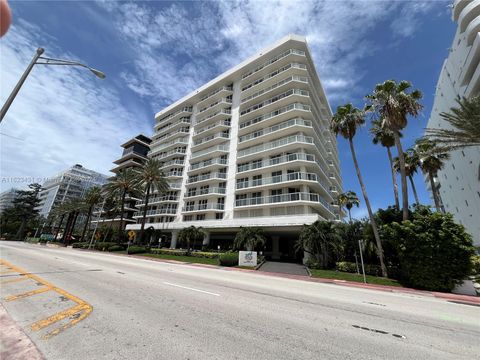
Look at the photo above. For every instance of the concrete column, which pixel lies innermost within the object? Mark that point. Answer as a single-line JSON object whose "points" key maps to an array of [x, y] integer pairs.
{"points": [[173, 243], [206, 239], [306, 257], [275, 248]]}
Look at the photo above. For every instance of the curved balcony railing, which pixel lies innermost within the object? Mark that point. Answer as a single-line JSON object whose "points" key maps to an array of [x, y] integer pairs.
{"points": [[211, 137], [217, 113], [216, 91], [274, 99], [278, 160], [274, 73], [225, 101], [278, 179], [178, 151], [215, 175], [210, 150], [209, 162], [155, 149], [173, 163], [275, 144], [266, 90], [273, 61], [258, 119], [203, 207], [185, 109], [182, 121], [273, 199], [274, 128], [211, 126], [210, 190]]}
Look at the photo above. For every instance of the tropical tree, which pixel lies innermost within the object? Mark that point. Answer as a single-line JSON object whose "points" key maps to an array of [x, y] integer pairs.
{"points": [[393, 104], [151, 178], [73, 208], [92, 198], [190, 235], [345, 122], [24, 206], [431, 161], [249, 238], [465, 123], [124, 183], [386, 138], [348, 199], [321, 240], [412, 163]]}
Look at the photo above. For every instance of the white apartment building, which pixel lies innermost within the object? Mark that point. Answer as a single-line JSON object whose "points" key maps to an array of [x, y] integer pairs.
{"points": [[252, 147], [459, 181], [6, 199], [69, 184]]}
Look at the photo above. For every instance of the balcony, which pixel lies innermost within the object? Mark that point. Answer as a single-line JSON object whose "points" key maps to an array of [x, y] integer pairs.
{"points": [[211, 151], [269, 79], [219, 103], [221, 91], [205, 192], [219, 125], [176, 162], [209, 140], [218, 162], [158, 199], [275, 180], [204, 207], [279, 114], [156, 149], [171, 153], [294, 139], [211, 176], [171, 174], [176, 185], [186, 110], [166, 128], [139, 214], [262, 94], [280, 100], [222, 114], [273, 61], [170, 135]]}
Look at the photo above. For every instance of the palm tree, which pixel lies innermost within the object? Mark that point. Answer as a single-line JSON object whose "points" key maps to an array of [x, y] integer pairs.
{"points": [[92, 198], [394, 104], [249, 238], [190, 235], [73, 208], [345, 122], [465, 121], [431, 161], [412, 163], [320, 239], [386, 138], [151, 178], [348, 199], [124, 183]]}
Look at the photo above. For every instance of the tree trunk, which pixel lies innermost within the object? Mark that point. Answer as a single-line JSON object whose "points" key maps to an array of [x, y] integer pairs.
{"points": [[434, 192], [109, 229], [21, 230], [349, 215], [67, 226], [72, 227], [394, 179], [87, 221], [403, 175], [144, 217], [370, 213], [410, 177], [122, 210], [59, 226]]}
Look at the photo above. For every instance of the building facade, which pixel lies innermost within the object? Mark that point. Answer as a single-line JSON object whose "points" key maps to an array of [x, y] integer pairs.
{"points": [[250, 148], [68, 185], [133, 156], [6, 199], [459, 181]]}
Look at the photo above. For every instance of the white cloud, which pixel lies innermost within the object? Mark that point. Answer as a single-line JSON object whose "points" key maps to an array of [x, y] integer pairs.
{"points": [[63, 115]]}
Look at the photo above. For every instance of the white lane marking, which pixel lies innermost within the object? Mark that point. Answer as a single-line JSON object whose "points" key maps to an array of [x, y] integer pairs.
{"points": [[189, 288]]}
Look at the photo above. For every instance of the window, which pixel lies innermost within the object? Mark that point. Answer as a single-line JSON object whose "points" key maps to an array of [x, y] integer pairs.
{"points": [[202, 205], [276, 176], [190, 205], [219, 216], [204, 189], [201, 217], [221, 200], [275, 159], [242, 183], [276, 195], [256, 164], [257, 180], [256, 198], [187, 217], [191, 192]]}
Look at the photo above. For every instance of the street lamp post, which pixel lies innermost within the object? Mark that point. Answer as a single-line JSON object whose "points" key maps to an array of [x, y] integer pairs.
{"points": [[38, 59]]}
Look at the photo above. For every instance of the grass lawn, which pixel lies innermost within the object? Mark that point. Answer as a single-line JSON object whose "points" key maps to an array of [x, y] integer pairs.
{"points": [[332, 274], [189, 259]]}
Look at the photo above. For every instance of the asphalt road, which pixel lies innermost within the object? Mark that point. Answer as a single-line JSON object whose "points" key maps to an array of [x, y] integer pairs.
{"points": [[152, 310]]}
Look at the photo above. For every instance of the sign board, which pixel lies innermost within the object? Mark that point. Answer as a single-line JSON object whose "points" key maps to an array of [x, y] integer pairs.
{"points": [[247, 258], [131, 235]]}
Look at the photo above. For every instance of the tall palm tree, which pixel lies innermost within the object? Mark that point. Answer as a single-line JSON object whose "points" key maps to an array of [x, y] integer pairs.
{"points": [[348, 199], [124, 183], [412, 163], [92, 198], [431, 161], [249, 238], [73, 208], [151, 178], [394, 104], [190, 235], [345, 122], [465, 121], [386, 138]]}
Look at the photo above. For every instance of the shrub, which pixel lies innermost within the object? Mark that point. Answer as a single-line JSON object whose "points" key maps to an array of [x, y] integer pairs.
{"points": [[80, 245], [204, 254], [434, 252], [346, 266], [116, 248], [32, 240], [476, 264], [229, 259], [351, 267], [137, 250], [169, 252], [103, 246]]}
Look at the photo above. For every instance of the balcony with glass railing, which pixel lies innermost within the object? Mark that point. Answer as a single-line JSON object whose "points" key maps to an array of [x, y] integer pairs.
{"points": [[219, 125], [277, 115], [275, 144], [269, 79], [159, 130], [175, 162], [204, 207], [175, 185], [260, 134], [168, 154], [215, 162], [222, 114], [279, 100], [222, 102], [158, 199], [167, 136], [273, 61], [164, 146], [139, 214], [261, 94], [211, 176], [205, 192], [174, 174], [295, 176], [210, 140], [221, 91], [254, 165], [186, 110], [210, 151]]}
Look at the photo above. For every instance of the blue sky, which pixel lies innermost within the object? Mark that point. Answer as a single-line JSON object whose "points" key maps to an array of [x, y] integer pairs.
{"points": [[155, 52]]}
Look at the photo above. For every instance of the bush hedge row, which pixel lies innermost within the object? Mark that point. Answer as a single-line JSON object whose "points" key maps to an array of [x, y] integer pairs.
{"points": [[351, 267], [228, 259], [197, 254]]}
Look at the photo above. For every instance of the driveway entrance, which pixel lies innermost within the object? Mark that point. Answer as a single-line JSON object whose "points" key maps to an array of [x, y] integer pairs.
{"points": [[284, 268]]}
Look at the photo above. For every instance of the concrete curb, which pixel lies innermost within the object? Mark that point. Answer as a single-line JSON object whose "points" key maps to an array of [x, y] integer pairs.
{"points": [[15, 344]]}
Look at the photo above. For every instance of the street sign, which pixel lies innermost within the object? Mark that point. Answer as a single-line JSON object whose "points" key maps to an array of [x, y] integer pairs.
{"points": [[247, 258], [131, 235]]}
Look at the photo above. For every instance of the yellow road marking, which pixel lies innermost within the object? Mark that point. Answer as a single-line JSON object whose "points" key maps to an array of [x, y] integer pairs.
{"points": [[82, 308], [27, 294], [14, 280]]}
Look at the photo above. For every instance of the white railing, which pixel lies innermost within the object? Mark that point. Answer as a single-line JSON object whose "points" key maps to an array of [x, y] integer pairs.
{"points": [[272, 199], [197, 178], [294, 106], [209, 162], [213, 190], [185, 109], [211, 126], [172, 152], [160, 130], [220, 112], [275, 144], [210, 150], [275, 99], [277, 179], [272, 129], [156, 212], [164, 137], [202, 207], [275, 161], [275, 73], [157, 199], [216, 91], [211, 137], [157, 148], [273, 60], [266, 90], [219, 101], [173, 163]]}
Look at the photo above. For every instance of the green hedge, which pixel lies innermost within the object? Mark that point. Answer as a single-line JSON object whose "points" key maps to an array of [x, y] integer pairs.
{"points": [[228, 259], [32, 240], [80, 245], [116, 248], [103, 246], [137, 250], [350, 267], [197, 254], [476, 264]]}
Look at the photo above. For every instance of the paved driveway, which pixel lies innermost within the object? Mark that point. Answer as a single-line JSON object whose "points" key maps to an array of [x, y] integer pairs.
{"points": [[284, 268]]}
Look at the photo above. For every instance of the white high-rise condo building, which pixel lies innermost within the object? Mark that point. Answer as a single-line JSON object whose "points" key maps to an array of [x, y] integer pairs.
{"points": [[459, 181], [252, 147]]}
